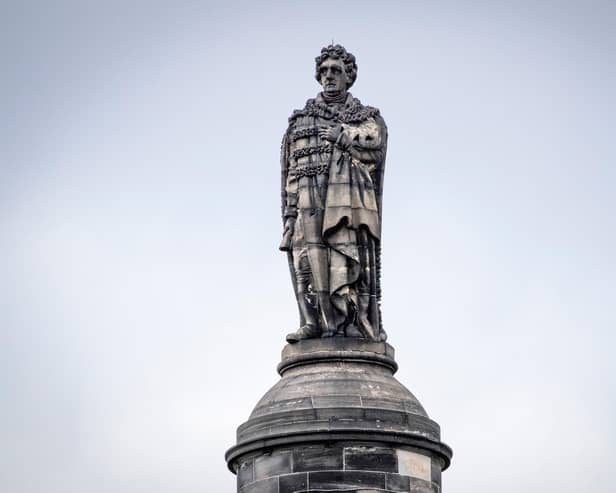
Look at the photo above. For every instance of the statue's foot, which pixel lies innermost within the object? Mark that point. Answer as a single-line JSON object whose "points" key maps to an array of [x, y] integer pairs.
{"points": [[304, 332], [365, 328], [329, 333], [382, 336], [353, 331]]}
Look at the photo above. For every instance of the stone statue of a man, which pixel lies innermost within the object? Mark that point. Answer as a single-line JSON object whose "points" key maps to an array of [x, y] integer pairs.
{"points": [[333, 158]]}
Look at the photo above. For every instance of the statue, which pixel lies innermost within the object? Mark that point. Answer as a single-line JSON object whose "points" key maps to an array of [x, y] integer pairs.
{"points": [[333, 159], [337, 420]]}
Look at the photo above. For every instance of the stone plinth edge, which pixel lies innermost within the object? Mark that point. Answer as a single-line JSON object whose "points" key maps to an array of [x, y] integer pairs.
{"points": [[336, 349], [438, 448]]}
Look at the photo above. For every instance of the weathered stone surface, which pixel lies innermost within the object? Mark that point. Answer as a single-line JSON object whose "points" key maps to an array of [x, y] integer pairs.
{"points": [[291, 483], [370, 459], [342, 420], [397, 482], [436, 472], [414, 465], [245, 472], [345, 479], [337, 349], [273, 465], [269, 485], [421, 486], [349, 490], [321, 401], [317, 458]]}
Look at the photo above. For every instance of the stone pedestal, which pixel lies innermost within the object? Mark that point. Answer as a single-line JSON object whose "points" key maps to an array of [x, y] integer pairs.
{"points": [[338, 421]]}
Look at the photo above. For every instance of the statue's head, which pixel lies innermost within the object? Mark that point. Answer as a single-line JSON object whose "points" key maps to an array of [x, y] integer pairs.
{"points": [[336, 69]]}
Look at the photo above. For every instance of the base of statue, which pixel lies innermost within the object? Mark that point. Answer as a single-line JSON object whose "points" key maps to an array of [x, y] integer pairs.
{"points": [[336, 421]]}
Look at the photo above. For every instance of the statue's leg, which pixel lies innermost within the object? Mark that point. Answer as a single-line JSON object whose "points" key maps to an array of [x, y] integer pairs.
{"points": [[365, 288], [303, 282], [310, 326], [318, 256]]}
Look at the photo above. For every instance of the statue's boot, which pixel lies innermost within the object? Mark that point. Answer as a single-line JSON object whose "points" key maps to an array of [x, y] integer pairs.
{"points": [[310, 329], [328, 316], [352, 331], [304, 332], [363, 322]]}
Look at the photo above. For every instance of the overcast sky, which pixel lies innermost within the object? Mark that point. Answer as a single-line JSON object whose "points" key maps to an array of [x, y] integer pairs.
{"points": [[143, 300]]}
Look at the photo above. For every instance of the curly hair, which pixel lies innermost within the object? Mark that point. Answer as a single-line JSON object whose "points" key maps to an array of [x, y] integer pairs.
{"points": [[338, 52]]}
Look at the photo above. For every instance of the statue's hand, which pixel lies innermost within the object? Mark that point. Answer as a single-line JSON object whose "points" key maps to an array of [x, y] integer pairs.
{"points": [[330, 133], [287, 235]]}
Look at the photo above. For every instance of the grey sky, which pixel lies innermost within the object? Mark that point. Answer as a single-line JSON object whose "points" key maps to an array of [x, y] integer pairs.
{"points": [[144, 303]]}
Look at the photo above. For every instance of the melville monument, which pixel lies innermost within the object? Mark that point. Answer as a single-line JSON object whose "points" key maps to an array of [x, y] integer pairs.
{"points": [[337, 420]]}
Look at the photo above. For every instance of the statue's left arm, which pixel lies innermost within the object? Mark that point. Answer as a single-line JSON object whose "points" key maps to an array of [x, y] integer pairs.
{"points": [[365, 142]]}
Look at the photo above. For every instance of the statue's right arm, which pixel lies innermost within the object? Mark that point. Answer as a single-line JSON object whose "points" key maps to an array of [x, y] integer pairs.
{"points": [[290, 199]]}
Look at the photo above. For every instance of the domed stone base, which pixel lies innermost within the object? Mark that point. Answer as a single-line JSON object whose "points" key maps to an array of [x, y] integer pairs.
{"points": [[337, 421]]}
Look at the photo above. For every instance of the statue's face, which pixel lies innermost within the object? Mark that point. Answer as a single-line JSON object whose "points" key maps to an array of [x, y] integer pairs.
{"points": [[332, 76]]}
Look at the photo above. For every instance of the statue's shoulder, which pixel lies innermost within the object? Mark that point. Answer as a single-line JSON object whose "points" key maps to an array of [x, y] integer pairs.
{"points": [[353, 112], [308, 109], [356, 112]]}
